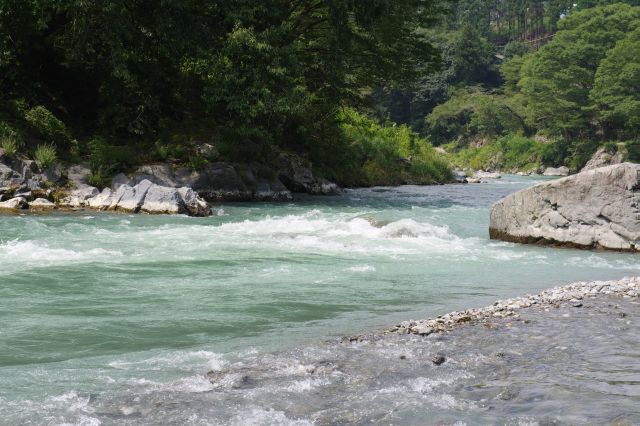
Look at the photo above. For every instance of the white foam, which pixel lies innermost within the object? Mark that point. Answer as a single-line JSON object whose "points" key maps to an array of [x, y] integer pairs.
{"points": [[362, 268], [32, 254], [259, 416]]}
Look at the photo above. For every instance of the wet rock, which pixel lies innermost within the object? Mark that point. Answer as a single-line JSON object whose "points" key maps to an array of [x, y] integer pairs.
{"points": [[438, 360], [459, 176], [593, 209]]}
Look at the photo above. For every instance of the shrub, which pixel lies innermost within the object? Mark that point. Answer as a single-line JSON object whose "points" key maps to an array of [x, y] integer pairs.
{"points": [[9, 145], [383, 154], [48, 127], [45, 155], [105, 160]]}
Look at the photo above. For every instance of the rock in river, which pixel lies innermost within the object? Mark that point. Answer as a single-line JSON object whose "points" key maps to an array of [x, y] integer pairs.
{"points": [[598, 208]]}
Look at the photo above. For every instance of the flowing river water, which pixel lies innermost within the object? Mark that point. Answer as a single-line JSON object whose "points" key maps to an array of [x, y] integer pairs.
{"points": [[116, 319]]}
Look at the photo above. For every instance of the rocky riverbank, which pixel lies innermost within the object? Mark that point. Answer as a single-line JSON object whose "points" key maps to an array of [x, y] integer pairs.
{"points": [[572, 295], [159, 188], [567, 355]]}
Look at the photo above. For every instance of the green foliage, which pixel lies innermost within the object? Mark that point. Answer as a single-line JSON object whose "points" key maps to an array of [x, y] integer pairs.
{"points": [[384, 154], [616, 91], [47, 127], [471, 114], [506, 153], [45, 156], [105, 160], [9, 145], [633, 151], [557, 79]]}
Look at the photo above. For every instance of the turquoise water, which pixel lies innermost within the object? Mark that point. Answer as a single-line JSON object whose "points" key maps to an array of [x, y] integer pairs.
{"points": [[98, 307]]}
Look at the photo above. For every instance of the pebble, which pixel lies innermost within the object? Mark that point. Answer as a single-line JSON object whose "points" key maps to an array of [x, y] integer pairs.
{"points": [[572, 294]]}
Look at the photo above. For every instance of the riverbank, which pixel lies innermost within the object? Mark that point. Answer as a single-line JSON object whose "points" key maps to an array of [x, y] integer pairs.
{"points": [[572, 294], [568, 355]]}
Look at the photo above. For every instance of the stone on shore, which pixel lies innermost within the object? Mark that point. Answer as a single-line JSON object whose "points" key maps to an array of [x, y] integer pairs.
{"points": [[560, 171], [568, 295], [42, 204], [481, 174], [16, 203], [598, 208]]}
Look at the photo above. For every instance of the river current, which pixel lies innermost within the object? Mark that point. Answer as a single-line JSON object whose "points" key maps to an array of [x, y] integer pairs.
{"points": [[116, 319]]}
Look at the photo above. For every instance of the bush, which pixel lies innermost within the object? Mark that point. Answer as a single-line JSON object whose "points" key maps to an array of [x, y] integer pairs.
{"points": [[9, 145], [507, 153], [45, 155], [48, 127], [382, 154], [105, 160]]}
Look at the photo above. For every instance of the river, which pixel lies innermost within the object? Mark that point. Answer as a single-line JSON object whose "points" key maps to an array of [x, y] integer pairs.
{"points": [[116, 319]]}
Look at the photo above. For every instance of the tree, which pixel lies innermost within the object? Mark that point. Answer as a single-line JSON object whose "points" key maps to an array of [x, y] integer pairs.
{"points": [[616, 91], [557, 79]]}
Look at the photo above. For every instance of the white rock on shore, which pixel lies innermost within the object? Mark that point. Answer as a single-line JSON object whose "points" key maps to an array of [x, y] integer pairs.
{"points": [[560, 171], [508, 308], [598, 208]]}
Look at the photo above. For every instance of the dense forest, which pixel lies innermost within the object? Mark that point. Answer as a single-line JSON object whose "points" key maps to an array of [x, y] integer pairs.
{"points": [[364, 88]]}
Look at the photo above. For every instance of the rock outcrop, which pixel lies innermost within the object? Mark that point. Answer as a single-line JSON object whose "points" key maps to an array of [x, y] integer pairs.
{"points": [[17, 203], [603, 158], [150, 198], [598, 208], [295, 173], [560, 171], [214, 182]]}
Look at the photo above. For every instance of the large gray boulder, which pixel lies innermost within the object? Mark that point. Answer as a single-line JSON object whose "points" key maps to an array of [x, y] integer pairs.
{"points": [[17, 203], [150, 198], [560, 171], [166, 200], [215, 182], [296, 174], [603, 158], [598, 208]]}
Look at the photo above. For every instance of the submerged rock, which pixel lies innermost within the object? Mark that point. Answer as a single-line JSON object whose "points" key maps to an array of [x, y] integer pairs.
{"points": [[598, 208], [438, 360]]}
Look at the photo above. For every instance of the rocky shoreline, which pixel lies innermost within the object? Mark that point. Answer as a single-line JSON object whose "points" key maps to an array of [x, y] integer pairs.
{"points": [[571, 294]]}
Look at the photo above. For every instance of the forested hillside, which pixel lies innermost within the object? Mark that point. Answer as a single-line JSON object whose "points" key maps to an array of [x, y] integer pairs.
{"points": [[529, 83], [362, 89]]}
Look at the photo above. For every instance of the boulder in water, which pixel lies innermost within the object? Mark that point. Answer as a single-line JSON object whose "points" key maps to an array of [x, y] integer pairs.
{"points": [[598, 208]]}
